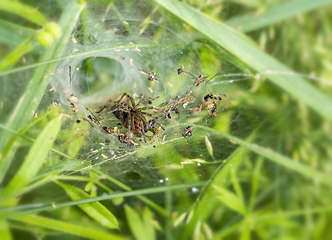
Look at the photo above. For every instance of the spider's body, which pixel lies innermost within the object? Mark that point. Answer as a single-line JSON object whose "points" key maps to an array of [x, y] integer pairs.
{"points": [[133, 118]]}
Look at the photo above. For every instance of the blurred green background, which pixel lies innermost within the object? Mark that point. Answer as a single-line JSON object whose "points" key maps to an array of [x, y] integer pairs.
{"points": [[260, 169]]}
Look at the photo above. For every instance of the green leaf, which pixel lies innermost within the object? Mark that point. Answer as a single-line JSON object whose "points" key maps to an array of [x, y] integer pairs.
{"points": [[274, 14], [241, 47], [282, 160], [95, 210], [24, 11], [4, 230], [65, 227], [34, 160], [141, 229], [15, 55], [13, 34], [230, 200], [34, 91], [208, 202]]}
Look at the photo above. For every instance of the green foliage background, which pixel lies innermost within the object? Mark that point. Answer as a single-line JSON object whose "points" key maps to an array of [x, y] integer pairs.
{"points": [[261, 169]]}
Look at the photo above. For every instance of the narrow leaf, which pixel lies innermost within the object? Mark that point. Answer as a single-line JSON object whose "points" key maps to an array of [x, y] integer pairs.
{"points": [[4, 230], [24, 11], [11, 33], [95, 210], [34, 160], [12, 58], [65, 227], [135, 223], [230, 200], [274, 14]]}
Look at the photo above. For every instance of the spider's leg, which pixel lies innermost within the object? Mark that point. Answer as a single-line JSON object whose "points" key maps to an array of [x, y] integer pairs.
{"points": [[114, 110], [144, 100], [133, 122], [143, 131], [229, 102], [130, 97], [128, 138], [124, 94], [150, 115], [142, 117], [100, 110]]}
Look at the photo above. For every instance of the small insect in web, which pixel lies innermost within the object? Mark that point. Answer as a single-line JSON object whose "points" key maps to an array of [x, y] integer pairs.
{"points": [[152, 75], [187, 132], [133, 118], [198, 80], [209, 105], [171, 105], [212, 106]]}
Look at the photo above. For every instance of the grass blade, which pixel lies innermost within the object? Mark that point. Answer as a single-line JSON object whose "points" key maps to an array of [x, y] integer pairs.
{"points": [[11, 33], [34, 160], [24, 11], [274, 14], [276, 157], [240, 46], [4, 230], [95, 210], [230, 200], [29, 101], [65, 227], [136, 224], [34, 209], [15, 55], [8, 152]]}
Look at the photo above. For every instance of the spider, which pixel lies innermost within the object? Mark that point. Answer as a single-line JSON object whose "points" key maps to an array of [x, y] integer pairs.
{"points": [[152, 75], [133, 117]]}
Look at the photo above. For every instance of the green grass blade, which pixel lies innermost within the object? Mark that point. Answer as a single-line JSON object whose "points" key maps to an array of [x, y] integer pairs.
{"points": [[206, 201], [29, 101], [24, 11], [125, 187], [65, 227], [95, 210], [11, 33], [239, 46], [12, 58], [274, 14], [4, 230], [34, 160], [6, 156], [32, 208], [276, 157], [284, 161], [135, 223], [88, 53], [230, 200]]}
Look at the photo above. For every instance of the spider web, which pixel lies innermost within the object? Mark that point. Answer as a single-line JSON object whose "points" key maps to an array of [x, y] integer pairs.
{"points": [[107, 65]]}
